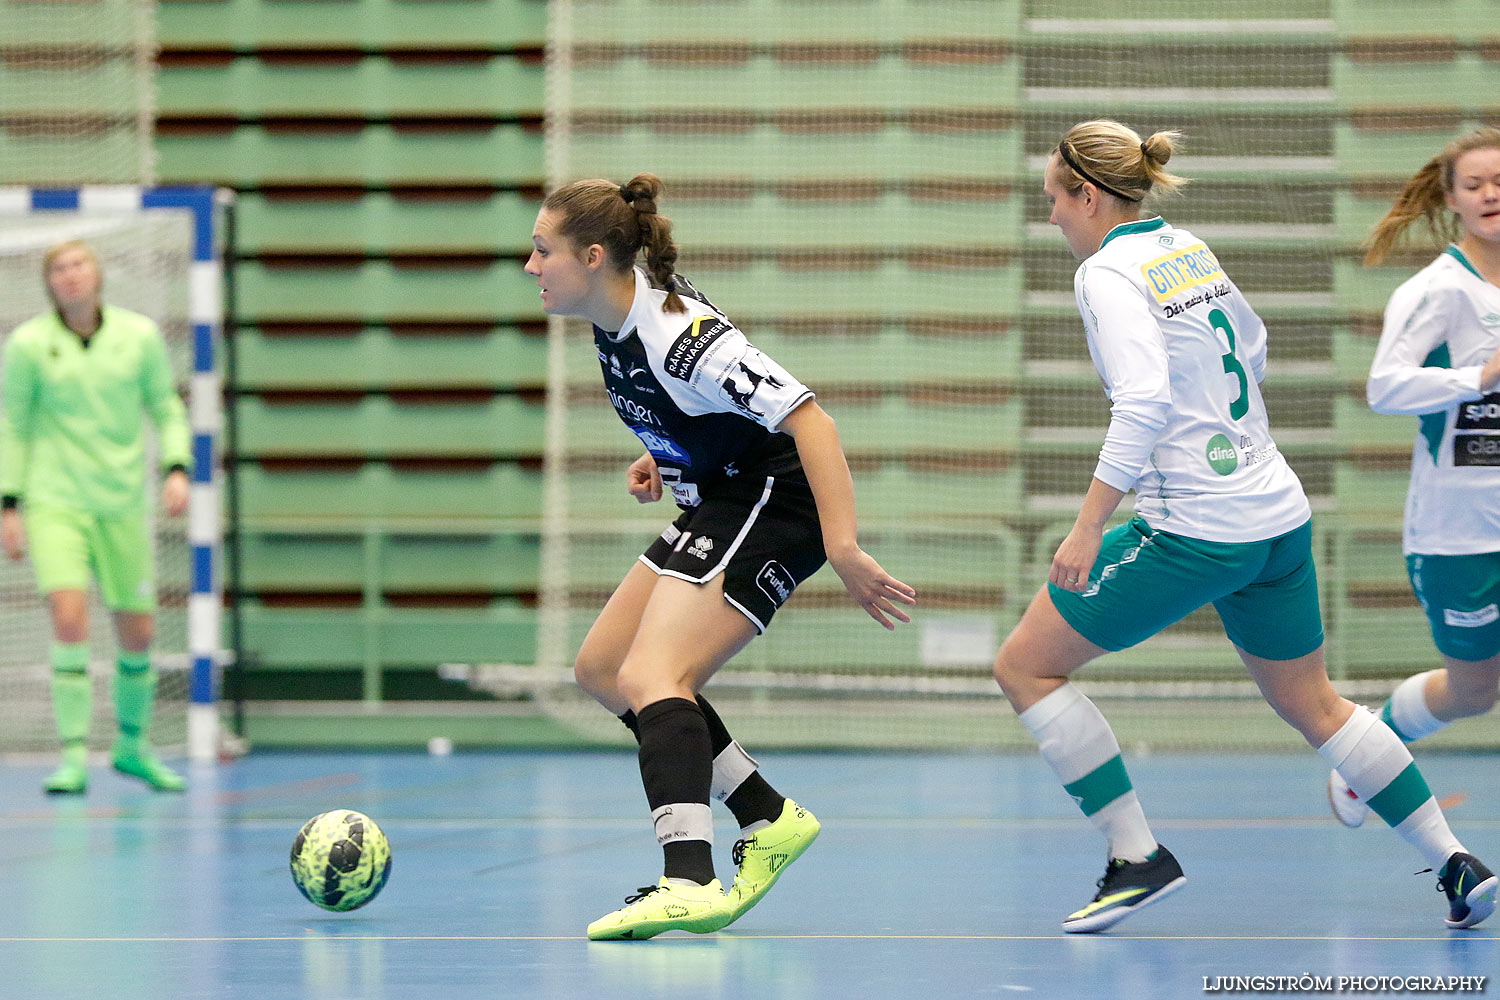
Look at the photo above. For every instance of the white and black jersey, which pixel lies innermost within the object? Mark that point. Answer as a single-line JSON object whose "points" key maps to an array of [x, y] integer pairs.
{"points": [[704, 402]]}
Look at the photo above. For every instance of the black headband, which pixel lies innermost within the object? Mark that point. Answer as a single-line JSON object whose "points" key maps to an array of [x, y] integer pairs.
{"points": [[1062, 149]]}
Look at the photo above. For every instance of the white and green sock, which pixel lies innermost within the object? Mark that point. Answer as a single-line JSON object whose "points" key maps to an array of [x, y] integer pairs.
{"points": [[1377, 765], [1077, 743], [1407, 713]]}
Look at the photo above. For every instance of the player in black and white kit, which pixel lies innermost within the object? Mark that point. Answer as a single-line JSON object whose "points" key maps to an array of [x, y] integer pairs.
{"points": [[756, 467]]}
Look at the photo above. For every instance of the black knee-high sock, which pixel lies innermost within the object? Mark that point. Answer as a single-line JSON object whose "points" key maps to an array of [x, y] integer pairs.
{"points": [[754, 799], [677, 770]]}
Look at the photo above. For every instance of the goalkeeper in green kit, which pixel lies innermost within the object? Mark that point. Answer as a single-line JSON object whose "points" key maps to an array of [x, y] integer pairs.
{"points": [[76, 386]]}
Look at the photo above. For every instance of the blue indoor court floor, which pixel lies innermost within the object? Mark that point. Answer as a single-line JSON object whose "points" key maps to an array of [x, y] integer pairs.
{"points": [[935, 876]]}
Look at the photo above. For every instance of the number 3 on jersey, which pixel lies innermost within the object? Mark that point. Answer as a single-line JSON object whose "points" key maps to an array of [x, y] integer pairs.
{"points": [[1241, 403]]}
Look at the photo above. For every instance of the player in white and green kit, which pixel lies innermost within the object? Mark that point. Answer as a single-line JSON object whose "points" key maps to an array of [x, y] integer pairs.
{"points": [[1439, 360], [1219, 518], [76, 388]]}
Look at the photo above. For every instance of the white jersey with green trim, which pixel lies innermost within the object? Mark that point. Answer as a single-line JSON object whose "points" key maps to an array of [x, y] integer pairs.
{"points": [[1441, 326], [1181, 354]]}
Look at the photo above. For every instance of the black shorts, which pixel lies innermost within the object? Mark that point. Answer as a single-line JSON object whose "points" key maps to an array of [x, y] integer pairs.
{"points": [[764, 540]]}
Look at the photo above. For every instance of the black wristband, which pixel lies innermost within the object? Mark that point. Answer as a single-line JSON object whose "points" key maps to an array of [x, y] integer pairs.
{"points": [[177, 467], [10, 502]]}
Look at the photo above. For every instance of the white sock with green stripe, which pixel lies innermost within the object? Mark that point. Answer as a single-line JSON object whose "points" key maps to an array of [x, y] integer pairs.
{"points": [[1407, 713], [1081, 749], [1377, 765]]}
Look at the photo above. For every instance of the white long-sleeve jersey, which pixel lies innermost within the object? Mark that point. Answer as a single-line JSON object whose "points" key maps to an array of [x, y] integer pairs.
{"points": [[1441, 326], [1182, 354]]}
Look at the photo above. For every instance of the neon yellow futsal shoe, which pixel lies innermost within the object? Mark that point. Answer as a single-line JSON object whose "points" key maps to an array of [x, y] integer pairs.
{"points": [[764, 855], [69, 779], [144, 765], [665, 906]]}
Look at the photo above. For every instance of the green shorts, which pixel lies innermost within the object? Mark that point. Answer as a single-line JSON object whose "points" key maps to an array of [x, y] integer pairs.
{"points": [[1266, 592], [67, 546], [1461, 595]]}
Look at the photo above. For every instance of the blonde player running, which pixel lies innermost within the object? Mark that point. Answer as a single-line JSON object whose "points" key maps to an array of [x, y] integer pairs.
{"points": [[1219, 518], [1439, 359], [78, 383], [756, 468]]}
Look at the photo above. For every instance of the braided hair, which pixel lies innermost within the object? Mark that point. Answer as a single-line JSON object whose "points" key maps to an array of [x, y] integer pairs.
{"points": [[623, 220]]}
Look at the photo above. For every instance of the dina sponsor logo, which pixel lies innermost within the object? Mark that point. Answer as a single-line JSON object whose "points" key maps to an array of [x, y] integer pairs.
{"points": [[1222, 456]]}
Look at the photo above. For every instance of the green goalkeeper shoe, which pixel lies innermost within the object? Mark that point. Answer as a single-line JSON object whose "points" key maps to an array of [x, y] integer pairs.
{"points": [[666, 906], [765, 854], [69, 779], [144, 765]]}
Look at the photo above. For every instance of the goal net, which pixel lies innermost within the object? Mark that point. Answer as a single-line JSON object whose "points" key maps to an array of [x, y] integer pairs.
{"points": [[147, 256], [858, 186]]}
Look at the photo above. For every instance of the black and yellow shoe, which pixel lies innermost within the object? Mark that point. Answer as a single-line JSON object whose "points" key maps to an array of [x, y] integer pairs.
{"points": [[1470, 888], [765, 854], [1126, 887], [666, 906]]}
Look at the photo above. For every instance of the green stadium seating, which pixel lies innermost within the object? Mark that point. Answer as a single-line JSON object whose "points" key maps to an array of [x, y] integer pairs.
{"points": [[375, 86], [1366, 290], [890, 355], [371, 24], [379, 222], [54, 89], [1463, 82], [1409, 21], [765, 83], [313, 638], [1391, 155], [1370, 495], [340, 495], [896, 153], [376, 357], [378, 291], [815, 22], [1352, 356], [1358, 427], [380, 426], [73, 155], [378, 562], [843, 217], [891, 289], [373, 154]]}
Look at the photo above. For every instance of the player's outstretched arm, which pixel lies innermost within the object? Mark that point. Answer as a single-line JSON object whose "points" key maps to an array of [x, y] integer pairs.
{"points": [[833, 490]]}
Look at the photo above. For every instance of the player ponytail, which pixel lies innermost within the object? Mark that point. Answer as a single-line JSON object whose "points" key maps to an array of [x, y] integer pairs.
{"points": [[641, 192], [1115, 159], [625, 222], [1424, 198]]}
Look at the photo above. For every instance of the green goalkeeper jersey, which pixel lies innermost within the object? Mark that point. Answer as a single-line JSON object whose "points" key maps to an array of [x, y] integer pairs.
{"points": [[72, 413]]}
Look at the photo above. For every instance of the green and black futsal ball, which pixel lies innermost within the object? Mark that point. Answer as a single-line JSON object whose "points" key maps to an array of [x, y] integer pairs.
{"points": [[340, 860]]}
